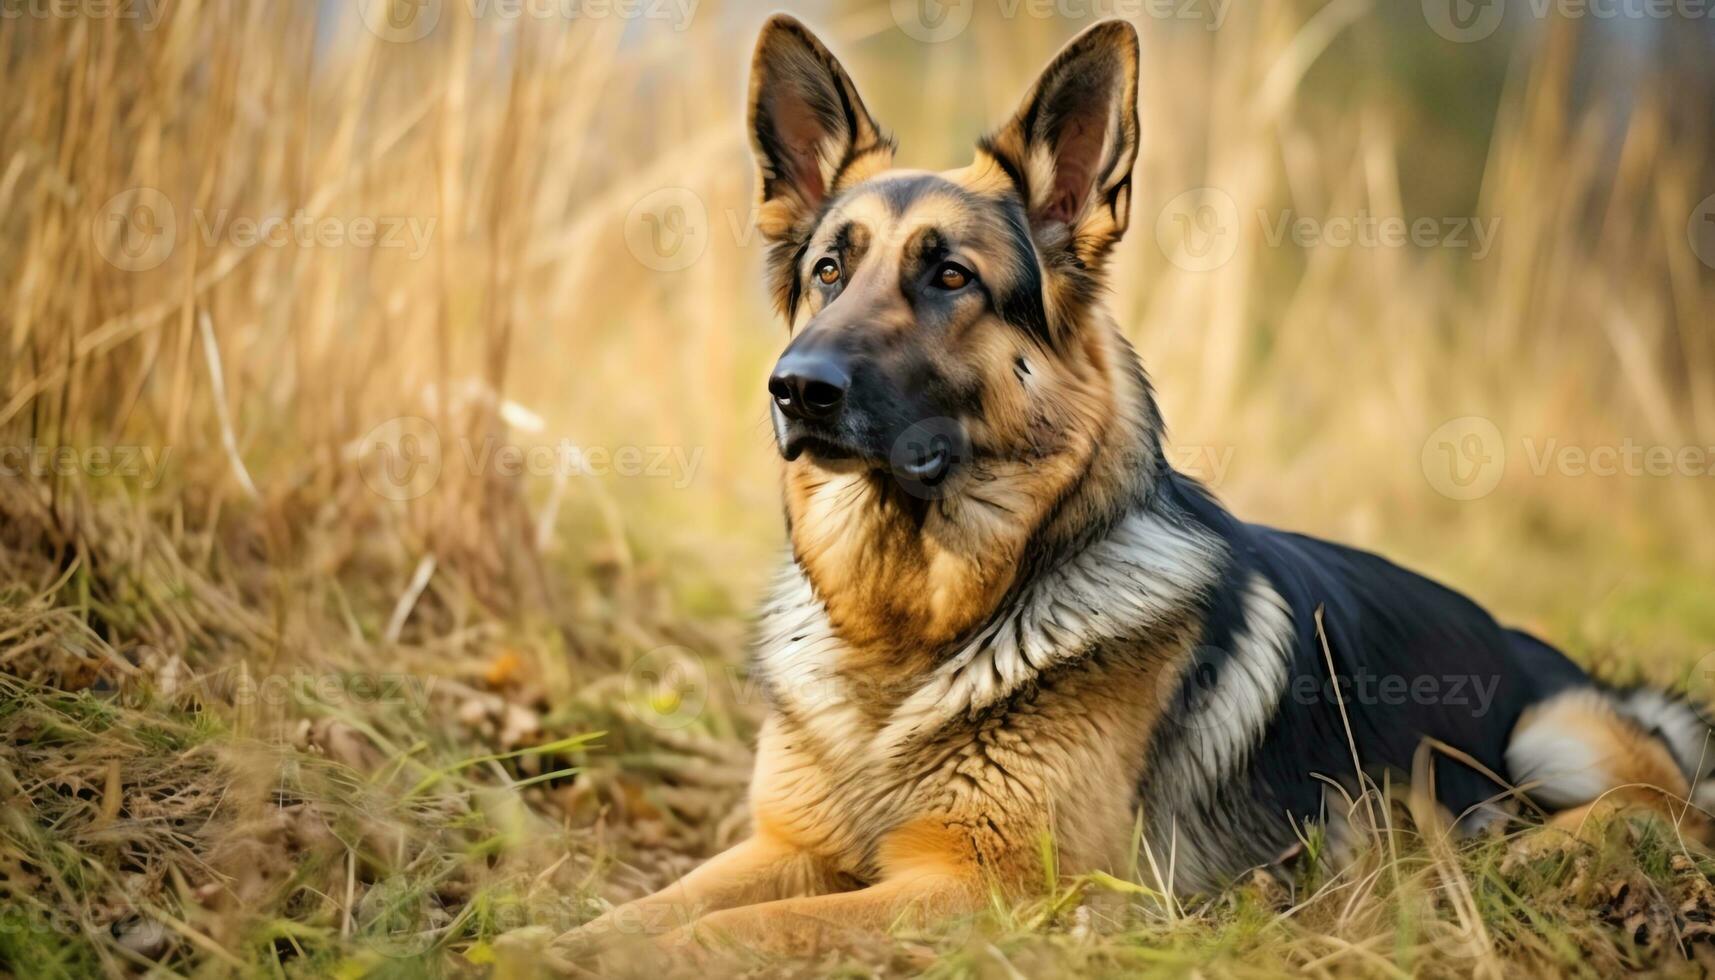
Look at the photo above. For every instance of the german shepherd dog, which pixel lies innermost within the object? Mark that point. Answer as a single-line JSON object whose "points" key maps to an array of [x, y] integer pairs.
{"points": [[1007, 620]]}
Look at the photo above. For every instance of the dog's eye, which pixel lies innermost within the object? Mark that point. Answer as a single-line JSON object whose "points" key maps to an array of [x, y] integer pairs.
{"points": [[952, 276], [827, 272]]}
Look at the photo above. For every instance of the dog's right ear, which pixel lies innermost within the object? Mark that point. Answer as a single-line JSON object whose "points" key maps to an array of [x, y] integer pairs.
{"points": [[1071, 146], [808, 127]]}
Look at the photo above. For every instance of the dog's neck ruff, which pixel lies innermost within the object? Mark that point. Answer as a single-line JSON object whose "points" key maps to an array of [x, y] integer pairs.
{"points": [[1141, 578]]}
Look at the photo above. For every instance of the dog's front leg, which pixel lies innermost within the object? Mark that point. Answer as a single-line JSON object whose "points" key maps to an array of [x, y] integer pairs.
{"points": [[761, 869], [796, 926]]}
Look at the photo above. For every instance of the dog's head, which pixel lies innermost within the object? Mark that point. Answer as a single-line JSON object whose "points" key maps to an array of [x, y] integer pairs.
{"points": [[932, 311], [944, 344]]}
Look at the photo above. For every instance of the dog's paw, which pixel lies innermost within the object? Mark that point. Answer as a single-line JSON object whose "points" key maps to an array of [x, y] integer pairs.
{"points": [[692, 947], [1540, 845], [614, 946], [531, 952], [579, 942]]}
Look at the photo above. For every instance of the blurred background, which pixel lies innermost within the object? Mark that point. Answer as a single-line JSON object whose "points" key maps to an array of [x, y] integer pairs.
{"points": [[426, 339]]}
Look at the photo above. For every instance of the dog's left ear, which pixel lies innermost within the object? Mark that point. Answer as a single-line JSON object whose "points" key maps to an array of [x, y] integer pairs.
{"points": [[1071, 146]]}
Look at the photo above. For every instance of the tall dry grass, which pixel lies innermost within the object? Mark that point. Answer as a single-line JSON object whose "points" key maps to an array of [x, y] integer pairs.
{"points": [[531, 156]]}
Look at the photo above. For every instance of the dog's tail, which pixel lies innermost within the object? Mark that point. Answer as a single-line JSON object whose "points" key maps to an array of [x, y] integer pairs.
{"points": [[1590, 743], [1683, 727]]}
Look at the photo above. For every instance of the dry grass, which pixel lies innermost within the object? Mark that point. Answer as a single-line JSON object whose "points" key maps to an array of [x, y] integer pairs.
{"points": [[260, 718]]}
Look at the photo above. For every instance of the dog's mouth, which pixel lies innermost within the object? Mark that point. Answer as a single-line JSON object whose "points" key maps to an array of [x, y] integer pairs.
{"points": [[819, 448], [921, 457], [920, 464]]}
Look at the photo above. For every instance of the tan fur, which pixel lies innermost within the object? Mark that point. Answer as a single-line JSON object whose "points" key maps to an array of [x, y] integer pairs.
{"points": [[1638, 773], [931, 835], [869, 808], [891, 585], [861, 818], [927, 836]]}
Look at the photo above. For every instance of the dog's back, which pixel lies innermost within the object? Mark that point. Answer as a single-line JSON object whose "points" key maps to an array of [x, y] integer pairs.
{"points": [[1412, 660]]}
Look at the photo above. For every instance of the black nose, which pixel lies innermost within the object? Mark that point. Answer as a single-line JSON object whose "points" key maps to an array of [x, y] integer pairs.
{"points": [[809, 386]]}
